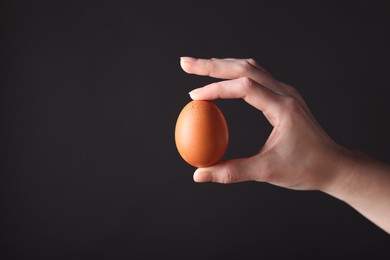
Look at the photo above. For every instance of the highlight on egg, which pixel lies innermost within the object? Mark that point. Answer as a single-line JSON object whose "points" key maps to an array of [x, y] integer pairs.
{"points": [[201, 133]]}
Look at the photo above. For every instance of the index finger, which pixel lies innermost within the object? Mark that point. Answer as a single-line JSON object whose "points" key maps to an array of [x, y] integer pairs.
{"points": [[253, 93]]}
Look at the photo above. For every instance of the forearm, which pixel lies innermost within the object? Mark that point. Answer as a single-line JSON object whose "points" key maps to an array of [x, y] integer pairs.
{"points": [[364, 184]]}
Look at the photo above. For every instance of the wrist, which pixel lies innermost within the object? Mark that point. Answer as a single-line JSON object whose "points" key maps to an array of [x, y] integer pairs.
{"points": [[363, 183], [343, 175], [356, 174]]}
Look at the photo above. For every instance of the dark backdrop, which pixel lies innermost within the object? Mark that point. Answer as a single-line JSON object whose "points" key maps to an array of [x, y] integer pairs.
{"points": [[90, 94]]}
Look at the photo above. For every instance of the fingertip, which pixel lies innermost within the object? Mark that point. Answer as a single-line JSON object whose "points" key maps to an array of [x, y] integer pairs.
{"points": [[185, 63], [202, 176], [195, 177], [194, 94], [208, 92]]}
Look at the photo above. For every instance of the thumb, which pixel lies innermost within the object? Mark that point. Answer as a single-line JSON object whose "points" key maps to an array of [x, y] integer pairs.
{"points": [[230, 171]]}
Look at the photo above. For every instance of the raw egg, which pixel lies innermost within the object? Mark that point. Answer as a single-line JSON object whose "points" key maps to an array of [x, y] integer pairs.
{"points": [[201, 133]]}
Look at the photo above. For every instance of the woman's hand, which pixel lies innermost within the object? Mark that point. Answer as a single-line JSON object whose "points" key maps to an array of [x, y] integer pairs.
{"points": [[298, 153]]}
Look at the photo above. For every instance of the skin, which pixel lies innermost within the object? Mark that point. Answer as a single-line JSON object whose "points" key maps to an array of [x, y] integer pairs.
{"points": [[298, 153]]}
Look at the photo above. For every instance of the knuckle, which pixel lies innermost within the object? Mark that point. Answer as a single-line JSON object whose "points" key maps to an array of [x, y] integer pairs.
{"points": [[244, 67], [230, 175], [211, 68], [292, 91], [291, 105], [247, 87], [289, 102], [246, 84], [252, 61]]}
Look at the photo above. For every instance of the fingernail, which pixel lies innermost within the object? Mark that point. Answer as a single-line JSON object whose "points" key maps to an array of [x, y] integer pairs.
{"points": [[194, 91], [202, 176], [193, 94], [186, 59]]}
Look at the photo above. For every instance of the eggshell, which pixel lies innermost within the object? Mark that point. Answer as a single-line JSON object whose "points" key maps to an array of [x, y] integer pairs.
{"points": [[201, 133]]}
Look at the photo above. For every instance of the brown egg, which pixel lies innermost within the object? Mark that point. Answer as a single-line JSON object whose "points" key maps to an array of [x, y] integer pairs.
{"points": [[201, 133]]}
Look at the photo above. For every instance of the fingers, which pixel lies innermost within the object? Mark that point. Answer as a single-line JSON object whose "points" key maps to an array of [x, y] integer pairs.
{"points": [[231, 69], [231, 171], [253, 93]]}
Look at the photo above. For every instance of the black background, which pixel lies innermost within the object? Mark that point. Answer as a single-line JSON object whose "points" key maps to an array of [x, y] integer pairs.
{"points": [[90, 94]]}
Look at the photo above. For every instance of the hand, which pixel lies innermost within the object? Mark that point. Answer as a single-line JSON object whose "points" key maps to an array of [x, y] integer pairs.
{"points": [[298, 153]]}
